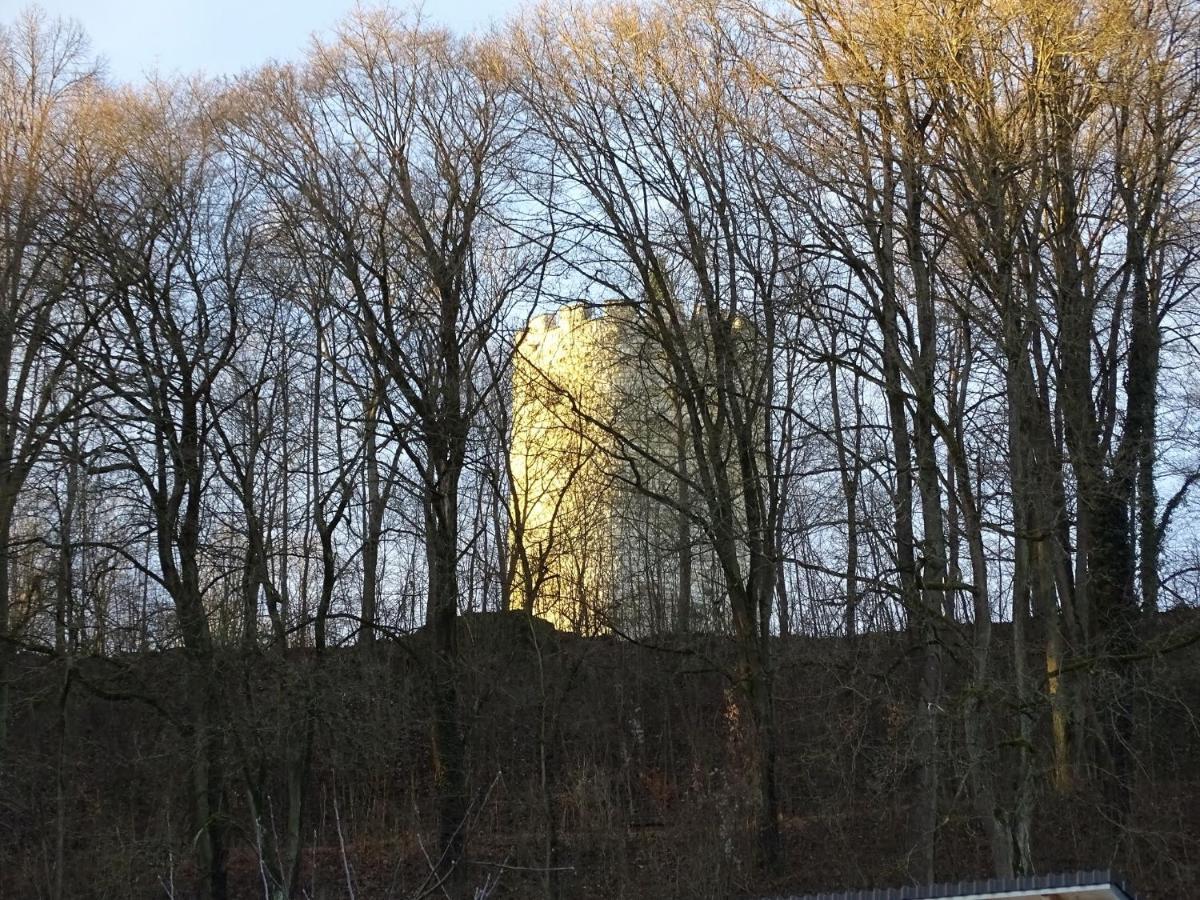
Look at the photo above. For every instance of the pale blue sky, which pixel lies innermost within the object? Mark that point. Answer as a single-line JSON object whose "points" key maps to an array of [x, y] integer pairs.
{"points": [[223, 37]]}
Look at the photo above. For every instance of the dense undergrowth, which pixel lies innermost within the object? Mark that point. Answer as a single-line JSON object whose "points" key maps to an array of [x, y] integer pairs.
{"points": [[598, 767]]}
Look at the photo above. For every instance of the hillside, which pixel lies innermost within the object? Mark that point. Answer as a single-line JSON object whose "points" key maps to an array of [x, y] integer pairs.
{"points": [[597, 767]]}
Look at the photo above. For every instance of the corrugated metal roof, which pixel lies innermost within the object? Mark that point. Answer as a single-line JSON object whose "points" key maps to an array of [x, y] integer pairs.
{"points": [[1073, 883]]}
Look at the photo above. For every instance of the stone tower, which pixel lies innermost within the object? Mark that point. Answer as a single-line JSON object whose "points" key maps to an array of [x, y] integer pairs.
{"points": [[601, 468]]}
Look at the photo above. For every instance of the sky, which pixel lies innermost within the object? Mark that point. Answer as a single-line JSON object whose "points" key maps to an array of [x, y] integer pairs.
{"points": [[224, 37]]}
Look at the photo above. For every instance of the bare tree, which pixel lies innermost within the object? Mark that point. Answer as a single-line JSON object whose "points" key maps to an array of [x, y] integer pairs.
{"points": [[44, 72], [669, 212], [172, 240], [390, 143]]}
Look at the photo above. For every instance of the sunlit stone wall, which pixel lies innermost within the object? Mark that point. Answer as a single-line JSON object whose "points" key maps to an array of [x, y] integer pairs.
{"points": [[561, 456]]}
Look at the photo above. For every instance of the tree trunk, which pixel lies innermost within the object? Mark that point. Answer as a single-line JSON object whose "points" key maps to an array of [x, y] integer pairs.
{"points": [[372, 524], [207, 781], [978, 703], [450, 782], [683, 602], [850, 478], [6, 637]]}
